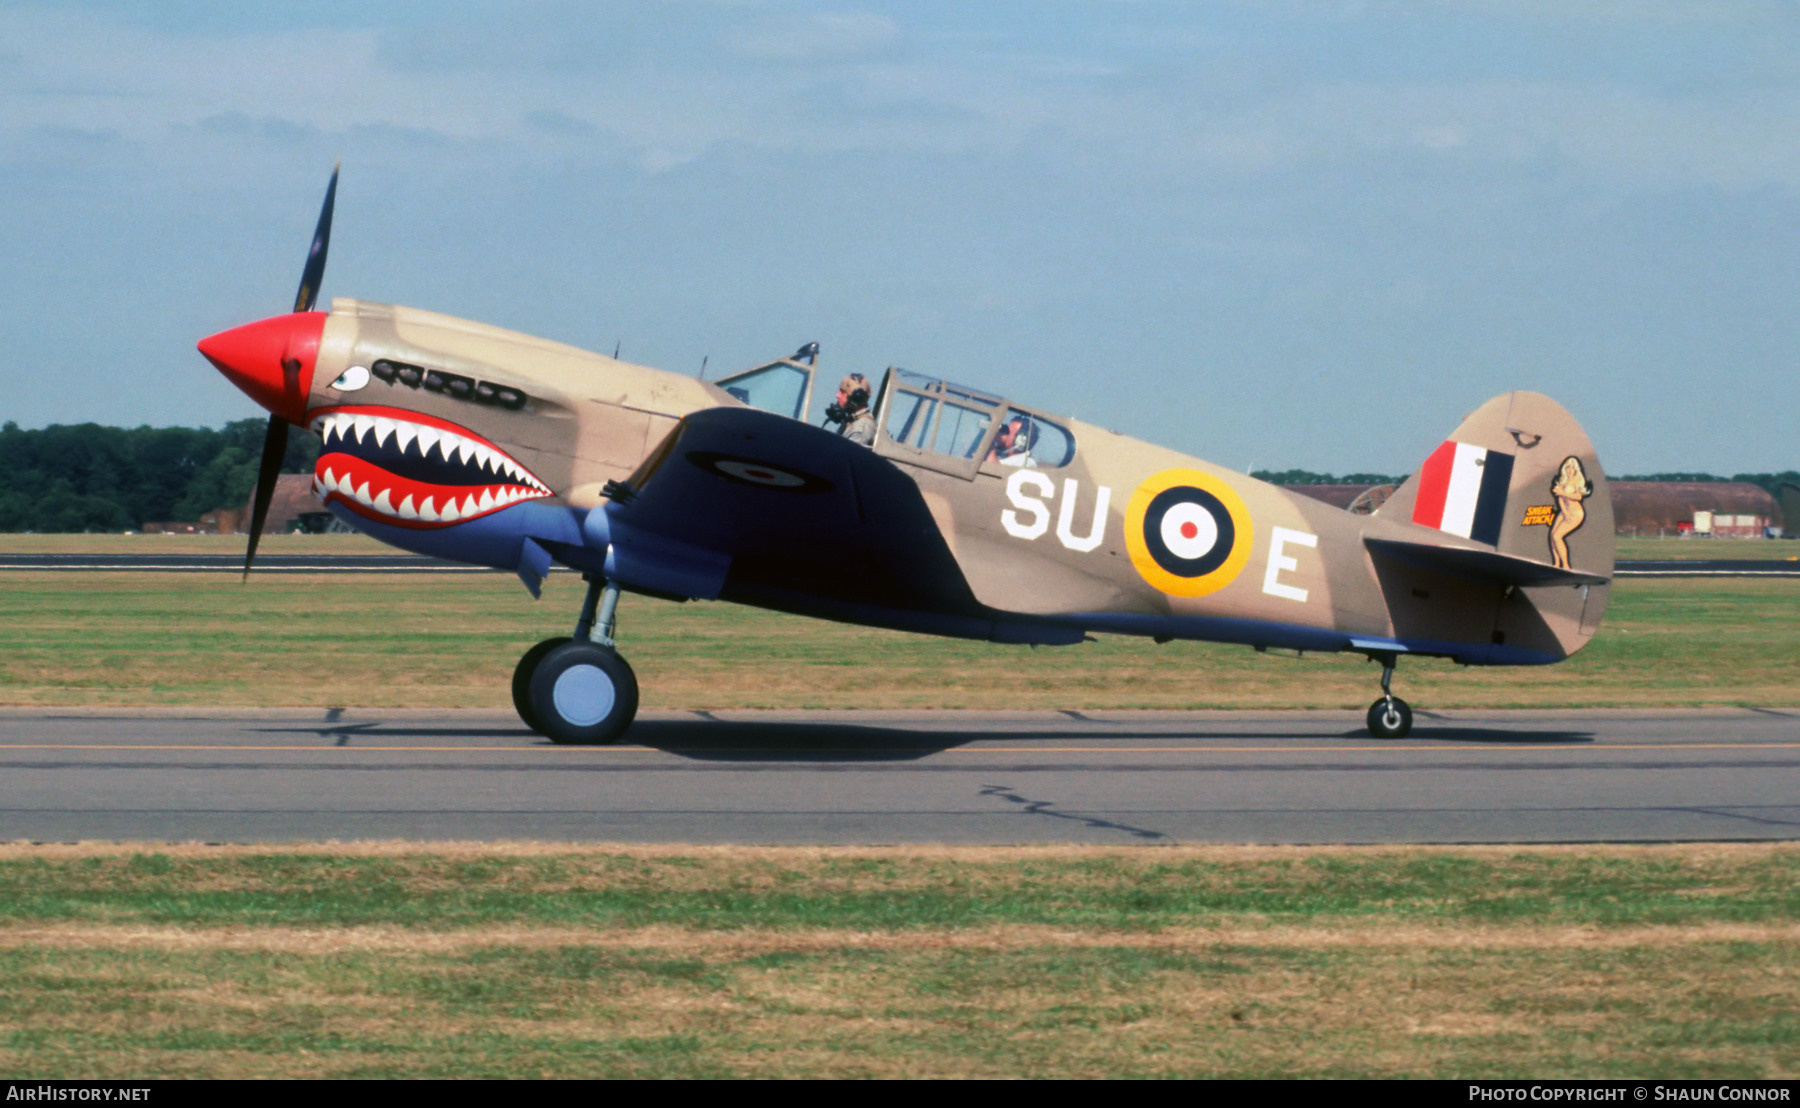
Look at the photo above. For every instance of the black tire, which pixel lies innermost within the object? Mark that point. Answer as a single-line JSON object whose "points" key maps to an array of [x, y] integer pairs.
{"points": [[583, 694], [521, 685], [1390, 719]]}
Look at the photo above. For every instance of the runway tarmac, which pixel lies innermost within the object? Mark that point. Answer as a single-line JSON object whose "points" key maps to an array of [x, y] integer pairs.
{"points": [[915, 777]]}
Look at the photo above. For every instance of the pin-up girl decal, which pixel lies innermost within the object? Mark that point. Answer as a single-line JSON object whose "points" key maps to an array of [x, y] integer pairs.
{"points": [[1570, 488]]}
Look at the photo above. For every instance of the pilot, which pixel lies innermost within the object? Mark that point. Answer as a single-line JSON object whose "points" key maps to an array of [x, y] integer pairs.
{"points": [[851, 411], [1013, 443]]}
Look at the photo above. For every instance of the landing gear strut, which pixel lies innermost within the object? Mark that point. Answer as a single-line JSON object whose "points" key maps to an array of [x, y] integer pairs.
{"points": [[1390, 717], [578, 690]]}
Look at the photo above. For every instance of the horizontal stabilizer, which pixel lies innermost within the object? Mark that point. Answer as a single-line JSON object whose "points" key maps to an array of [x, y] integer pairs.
{"points": [[1485, 564]]}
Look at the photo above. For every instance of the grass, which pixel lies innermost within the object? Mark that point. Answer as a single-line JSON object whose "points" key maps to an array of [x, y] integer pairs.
{"points": [[807, 889], [529, 961], [526, 961], [349, 640]]}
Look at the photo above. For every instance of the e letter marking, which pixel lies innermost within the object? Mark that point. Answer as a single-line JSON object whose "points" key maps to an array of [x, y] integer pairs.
{"points": [[1279, 537]]}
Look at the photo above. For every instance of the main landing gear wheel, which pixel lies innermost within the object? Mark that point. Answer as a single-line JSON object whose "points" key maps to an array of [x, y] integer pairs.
{"points": [[521, 682], [1390, 718], [583, 694]]}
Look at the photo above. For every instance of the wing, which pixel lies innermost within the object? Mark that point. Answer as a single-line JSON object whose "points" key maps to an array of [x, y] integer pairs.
{"points": [[779, 513]]}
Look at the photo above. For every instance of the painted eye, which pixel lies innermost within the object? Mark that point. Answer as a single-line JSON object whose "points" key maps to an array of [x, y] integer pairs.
{"points": [[352, 379]]}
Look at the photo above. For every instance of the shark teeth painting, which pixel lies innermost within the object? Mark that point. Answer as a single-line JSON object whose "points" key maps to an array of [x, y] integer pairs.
{"points": [[412, 470]]}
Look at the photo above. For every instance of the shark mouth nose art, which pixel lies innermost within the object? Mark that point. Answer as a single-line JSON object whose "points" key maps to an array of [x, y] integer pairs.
{"points": [[411, 470]]}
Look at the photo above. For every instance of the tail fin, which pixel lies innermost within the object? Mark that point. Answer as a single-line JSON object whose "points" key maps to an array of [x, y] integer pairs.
{"points": [[1520, 477]]}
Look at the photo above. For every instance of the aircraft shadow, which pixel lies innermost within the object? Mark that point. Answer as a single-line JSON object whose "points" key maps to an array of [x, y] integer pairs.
{"points": [[1496, 735], [715, 740], [704, 740], [743, 741], [345, 733], [740, 741]]}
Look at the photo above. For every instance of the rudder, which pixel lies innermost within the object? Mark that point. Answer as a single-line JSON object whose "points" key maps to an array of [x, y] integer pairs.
{"points": [[1520, 476]]}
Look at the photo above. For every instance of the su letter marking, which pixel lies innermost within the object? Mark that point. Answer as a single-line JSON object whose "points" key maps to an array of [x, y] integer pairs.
{"points": [[1029, 516]]}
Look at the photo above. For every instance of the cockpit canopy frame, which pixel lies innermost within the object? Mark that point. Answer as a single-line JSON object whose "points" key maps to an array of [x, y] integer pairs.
{"points": [[783, 386], [920, 420], [958, 430]]}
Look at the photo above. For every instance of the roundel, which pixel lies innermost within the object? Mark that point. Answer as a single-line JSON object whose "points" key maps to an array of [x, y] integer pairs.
{"points": [[1187, 532], [748, 471]]}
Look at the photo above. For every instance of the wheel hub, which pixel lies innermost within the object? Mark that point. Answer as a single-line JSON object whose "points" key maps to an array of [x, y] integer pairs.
{"points": [[583, 695]]}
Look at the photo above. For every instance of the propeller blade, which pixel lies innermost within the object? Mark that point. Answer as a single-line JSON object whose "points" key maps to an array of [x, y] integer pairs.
{"points": [[274, 449], [315, 258]]}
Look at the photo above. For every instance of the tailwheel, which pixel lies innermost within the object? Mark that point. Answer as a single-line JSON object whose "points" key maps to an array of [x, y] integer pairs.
{"points": [[1390, 718], [521, 681], [582, 694]]}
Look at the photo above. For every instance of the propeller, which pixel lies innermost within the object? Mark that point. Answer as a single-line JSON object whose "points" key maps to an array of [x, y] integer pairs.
{"points": [[321, 242], [275, 438]]}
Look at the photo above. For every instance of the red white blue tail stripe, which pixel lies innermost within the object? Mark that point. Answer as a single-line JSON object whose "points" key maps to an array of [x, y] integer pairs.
{"points": [[1462, 490]]}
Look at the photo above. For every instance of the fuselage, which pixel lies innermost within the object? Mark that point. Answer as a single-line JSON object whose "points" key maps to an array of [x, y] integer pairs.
{"points": [[466, 441]]}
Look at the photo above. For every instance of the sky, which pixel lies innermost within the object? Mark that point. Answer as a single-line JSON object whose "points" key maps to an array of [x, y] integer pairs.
{"points": [[1274, 235]]}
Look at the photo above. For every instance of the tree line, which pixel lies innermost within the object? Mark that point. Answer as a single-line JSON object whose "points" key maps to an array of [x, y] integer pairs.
{"points": [[1308, 477], [92, 478]]}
